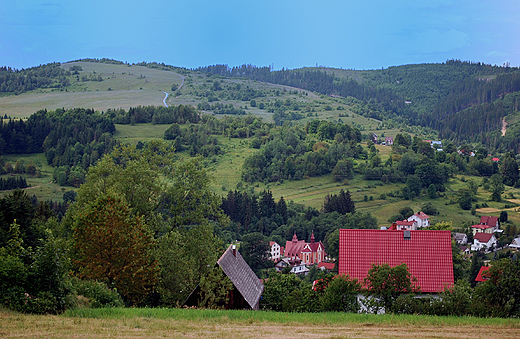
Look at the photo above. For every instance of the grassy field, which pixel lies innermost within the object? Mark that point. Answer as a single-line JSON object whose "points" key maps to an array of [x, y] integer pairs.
{"points": [[182, 323], [226, 171], [122, 86], [43, 187]]}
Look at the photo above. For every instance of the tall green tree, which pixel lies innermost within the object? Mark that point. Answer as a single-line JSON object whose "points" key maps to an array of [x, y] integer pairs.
{"points": [[385, 284], [499, 296], [509, 169], [255, 251], [497, 187], [114, 246]]}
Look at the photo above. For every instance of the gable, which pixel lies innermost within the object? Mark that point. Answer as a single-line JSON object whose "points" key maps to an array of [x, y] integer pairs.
{"points": [[427, 254], [242, 276], [483, 237]]}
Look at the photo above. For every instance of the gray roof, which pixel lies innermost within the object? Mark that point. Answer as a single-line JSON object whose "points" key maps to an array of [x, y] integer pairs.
{"points": [[459, 236], [242, 276]]}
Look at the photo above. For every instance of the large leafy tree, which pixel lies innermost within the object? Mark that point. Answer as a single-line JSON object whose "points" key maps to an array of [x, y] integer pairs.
{"points": [[499, 296], [114, 246], [509, 169], [385, 284], [341, 295], [185, 256], [255, 251]]}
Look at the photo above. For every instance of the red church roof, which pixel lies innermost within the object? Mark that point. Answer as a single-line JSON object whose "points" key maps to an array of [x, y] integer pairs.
{"points": [[295, 247], [427, 254], [480, 277]]}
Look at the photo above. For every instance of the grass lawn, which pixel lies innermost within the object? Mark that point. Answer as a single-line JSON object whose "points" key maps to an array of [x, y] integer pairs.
{"points": [[188, 323]]}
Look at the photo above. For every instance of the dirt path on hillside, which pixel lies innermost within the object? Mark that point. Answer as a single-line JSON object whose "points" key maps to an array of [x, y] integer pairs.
{"points": [[504, 126]]}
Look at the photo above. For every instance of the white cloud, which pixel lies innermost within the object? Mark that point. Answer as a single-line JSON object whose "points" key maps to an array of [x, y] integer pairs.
{"points": [[497, 54]]}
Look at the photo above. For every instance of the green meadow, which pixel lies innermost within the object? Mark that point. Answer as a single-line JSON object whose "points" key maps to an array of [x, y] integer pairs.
{"points": [[198, 323]]}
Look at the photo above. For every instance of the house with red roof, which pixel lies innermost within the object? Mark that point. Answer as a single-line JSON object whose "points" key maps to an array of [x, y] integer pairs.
{"points": [[421, 219], [481, 229], [329, 266], [309, 253], [482, 276], [483, 241], [490, 221], [428, 254], [403, 225]]}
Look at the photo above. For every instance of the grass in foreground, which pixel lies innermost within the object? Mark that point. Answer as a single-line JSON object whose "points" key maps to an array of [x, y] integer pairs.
{"points": [[182, 323]]}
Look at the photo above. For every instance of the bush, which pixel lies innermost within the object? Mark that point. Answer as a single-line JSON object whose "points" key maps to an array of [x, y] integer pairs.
{"points": [[97, 293]]}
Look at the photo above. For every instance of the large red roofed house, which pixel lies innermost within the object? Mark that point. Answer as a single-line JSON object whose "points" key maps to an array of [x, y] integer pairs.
{"points": [[490, 221], [483, 241], [421, 219], [309, 253], [427, 254]]}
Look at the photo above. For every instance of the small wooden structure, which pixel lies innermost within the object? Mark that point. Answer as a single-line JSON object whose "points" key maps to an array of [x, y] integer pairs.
{"points": [[247, 288]]}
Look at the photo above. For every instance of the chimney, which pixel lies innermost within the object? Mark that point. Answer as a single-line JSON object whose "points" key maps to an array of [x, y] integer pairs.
{"points": [[234, 250]]}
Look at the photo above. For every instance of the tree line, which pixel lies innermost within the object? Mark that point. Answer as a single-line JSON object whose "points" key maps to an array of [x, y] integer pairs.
{"points": [[44, 76]]}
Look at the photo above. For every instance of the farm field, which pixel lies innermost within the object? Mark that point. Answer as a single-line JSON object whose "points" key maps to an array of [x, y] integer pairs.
{"points": [[181, 323]]}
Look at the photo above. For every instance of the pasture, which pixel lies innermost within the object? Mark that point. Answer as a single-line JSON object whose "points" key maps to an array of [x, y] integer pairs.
{"points": [[192, 323]]}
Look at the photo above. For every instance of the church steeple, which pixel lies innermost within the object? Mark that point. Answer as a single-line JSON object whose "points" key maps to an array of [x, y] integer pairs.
{"points": [[294, 238], [312, 237]]}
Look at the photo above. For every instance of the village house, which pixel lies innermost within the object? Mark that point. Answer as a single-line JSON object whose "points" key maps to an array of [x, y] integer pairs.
{"points": [[482, 276], [481, 229], [329, 266], [421, 219], [428, 254], [483, 241], [309, 253], [515, 243], [389, 141], [275, 252], [405, 225], [490, 221], [460, 238]]}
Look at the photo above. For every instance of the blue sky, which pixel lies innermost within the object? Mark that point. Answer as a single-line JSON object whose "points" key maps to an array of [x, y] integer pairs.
{"points": [[363, 34]]}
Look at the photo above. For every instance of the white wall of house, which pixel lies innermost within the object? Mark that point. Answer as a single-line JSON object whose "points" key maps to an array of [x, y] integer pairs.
{"points": [[275, 251], [420, 222], [477, 245]]}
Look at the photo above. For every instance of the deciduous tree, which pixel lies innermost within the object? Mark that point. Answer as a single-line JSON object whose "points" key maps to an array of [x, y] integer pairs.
{"points": [[114, 246]]}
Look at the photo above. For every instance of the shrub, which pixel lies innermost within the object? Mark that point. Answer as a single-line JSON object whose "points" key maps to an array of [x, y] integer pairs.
{"points": [[98, 293]]}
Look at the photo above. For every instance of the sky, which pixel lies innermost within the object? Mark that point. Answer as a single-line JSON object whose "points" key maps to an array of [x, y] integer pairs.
{"points": [[363, 34]]}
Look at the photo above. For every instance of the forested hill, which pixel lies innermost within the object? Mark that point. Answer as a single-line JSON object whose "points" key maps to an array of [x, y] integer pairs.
{"points": [[445, 97]]}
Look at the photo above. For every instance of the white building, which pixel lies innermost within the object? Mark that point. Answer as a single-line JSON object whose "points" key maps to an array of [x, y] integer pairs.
{"points": [[460, 238], [483, 241], [275, 253], [421, 219]]}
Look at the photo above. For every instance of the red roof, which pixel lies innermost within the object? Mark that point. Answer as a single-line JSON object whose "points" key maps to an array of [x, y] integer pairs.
{"points": [[480, 277], [405, 223], [482, 227], [483, 237], [421, 215], [328, 265], [295, 247], [490, 221], [427, 254]]}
